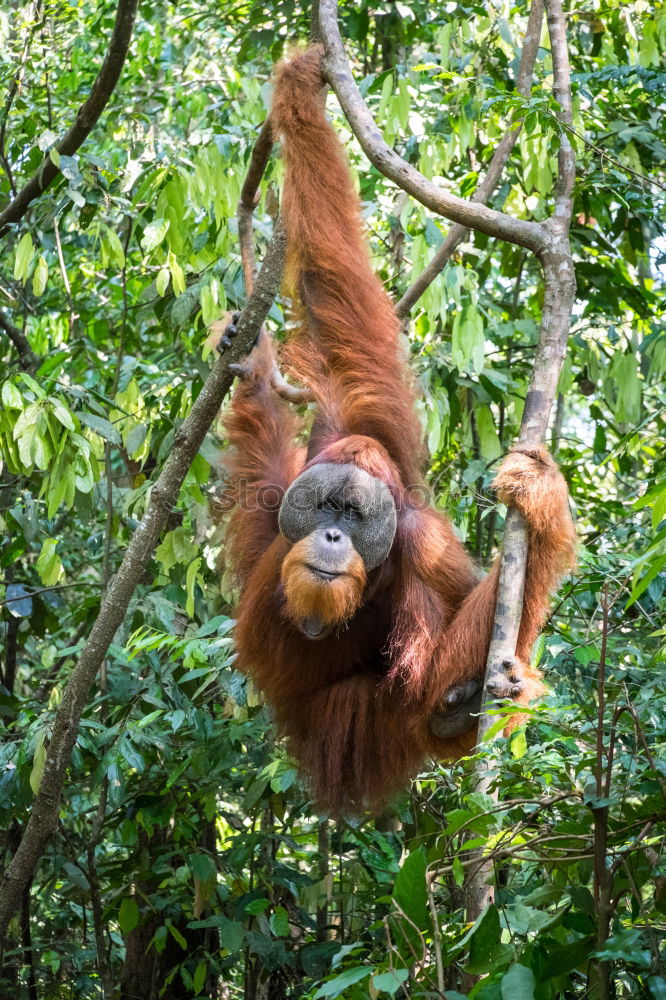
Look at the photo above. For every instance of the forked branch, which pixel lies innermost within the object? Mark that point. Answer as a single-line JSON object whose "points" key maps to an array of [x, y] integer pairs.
{"points": [[469, 214], [458, 233]]}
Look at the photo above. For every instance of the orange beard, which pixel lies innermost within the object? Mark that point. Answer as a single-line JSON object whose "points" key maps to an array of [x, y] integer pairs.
{"points": [[309, 596]]}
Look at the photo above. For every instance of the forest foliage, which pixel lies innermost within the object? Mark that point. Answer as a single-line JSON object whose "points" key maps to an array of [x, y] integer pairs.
{"points": [[187, 860]]}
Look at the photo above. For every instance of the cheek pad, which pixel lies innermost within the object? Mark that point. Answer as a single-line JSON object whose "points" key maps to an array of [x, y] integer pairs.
{"points": [[298, 514], [372, 535]]}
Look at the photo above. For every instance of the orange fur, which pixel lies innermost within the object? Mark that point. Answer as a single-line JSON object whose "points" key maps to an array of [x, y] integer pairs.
{"points": [[355, 706], [310, 597]]}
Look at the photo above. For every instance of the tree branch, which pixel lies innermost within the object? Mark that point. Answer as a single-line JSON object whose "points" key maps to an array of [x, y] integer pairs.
{"points": [[248, 200], [483, 192], [164, 494], [86, 118], [28, 360], [247, 203], [560, 285], [468, 214]]}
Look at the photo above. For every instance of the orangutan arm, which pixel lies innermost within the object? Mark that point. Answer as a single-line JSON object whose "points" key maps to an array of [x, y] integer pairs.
{"points": [[531, 481], [262, 460]]}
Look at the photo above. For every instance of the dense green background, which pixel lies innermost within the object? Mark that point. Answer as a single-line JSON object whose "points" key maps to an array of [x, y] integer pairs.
{"points": [[183, 825]]}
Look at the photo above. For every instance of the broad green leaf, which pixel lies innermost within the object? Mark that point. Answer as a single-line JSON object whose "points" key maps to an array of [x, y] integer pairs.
{"points": [[390, 982], [336, 987], [25, 251], [191, 579], [203, 867], [162, 280], [177, 936], [177, 274], [279, 922], [257, 906], [153, 234], [518, 743], [199, 977], [11, 397], [518, 983], [61, 412], [38, 761], [40, 276], [100, 426], [49, 566], [410, 892], [128, 915]]}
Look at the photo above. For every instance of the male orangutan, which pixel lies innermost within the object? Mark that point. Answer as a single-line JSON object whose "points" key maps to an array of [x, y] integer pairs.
{"points": [[361, 613]]}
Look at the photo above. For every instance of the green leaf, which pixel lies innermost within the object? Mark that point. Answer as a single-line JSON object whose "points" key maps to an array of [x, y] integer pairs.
{"points": [[177, 936], [135, 438], [485, 935], [203, 867], [153, 234], [518, 743], [38, 761], [62, 414], [257, 906], [100, 426], [410, 892], [128, 915], [191, 579], [390, 982], [58, 489], [162, 280], [657, 986], [199, 977], [518, 983], [625, 372], [24, 254], [336, 987], [279, 922], [11, 397], [40, 276], [49, 566], [177, 274]]}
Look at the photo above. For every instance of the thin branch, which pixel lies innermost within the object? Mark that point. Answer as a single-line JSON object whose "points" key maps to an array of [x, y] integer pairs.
{"points": [[249, 198], [483, 192], [559, 292], [28, 360], [11, 94], [392, 165], [164, 494], [86, 119]]}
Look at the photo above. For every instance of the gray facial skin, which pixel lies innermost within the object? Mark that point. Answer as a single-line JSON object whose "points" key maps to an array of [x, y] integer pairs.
{"points": [[345, 506]]}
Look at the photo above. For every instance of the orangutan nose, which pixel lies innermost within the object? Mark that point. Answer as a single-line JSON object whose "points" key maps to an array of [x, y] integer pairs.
{"points": [[333, 535]]}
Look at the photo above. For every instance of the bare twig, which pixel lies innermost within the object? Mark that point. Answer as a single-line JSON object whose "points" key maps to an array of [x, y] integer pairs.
{"points": [[86, 118], [163, 495], [483, 192], [469, 214]]}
